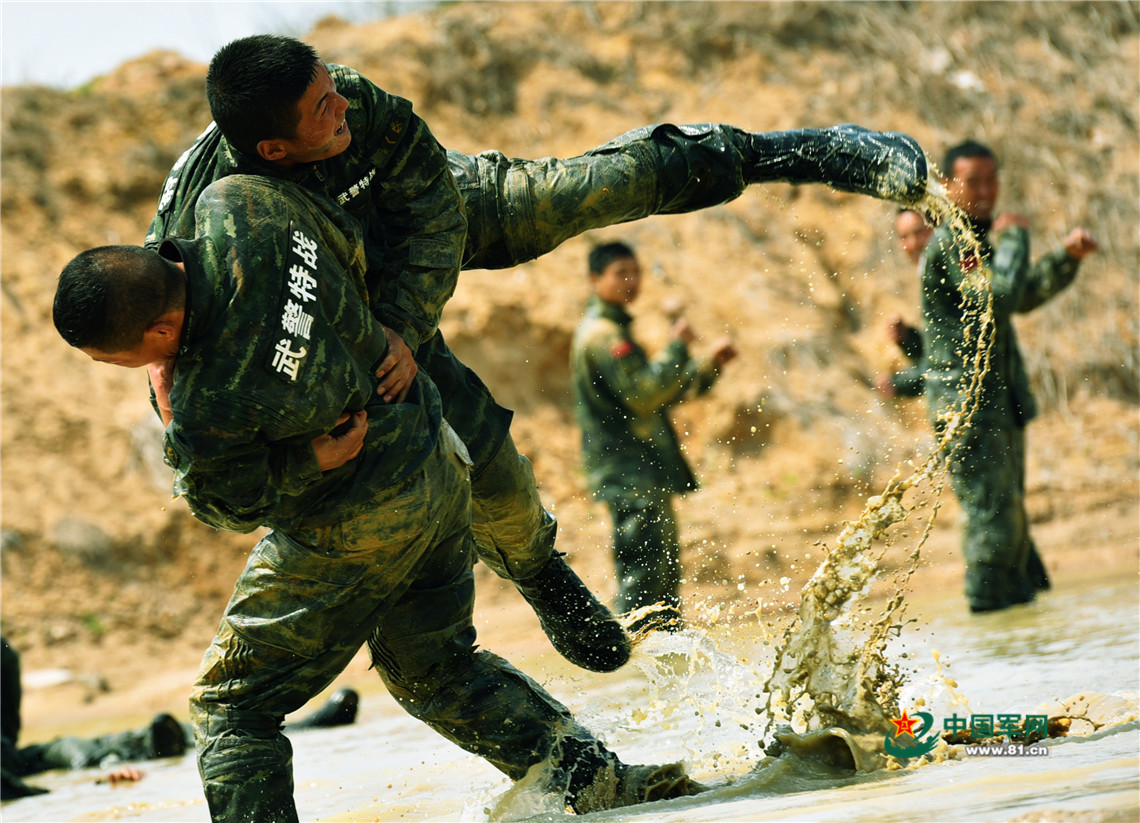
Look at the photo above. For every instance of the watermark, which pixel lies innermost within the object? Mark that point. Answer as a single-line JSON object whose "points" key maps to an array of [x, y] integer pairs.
{"points": [[1007, 750], [984, 735]]}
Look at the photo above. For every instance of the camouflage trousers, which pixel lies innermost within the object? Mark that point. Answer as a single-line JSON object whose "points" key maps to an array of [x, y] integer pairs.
{"points": [[647, 552], [518, 210], [399, 579], [987, 470]]}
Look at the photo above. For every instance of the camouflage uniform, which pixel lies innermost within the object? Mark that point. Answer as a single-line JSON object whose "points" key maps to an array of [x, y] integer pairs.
{"points": [[393, 178], [632, 457], [278, 341], [987, 460]]}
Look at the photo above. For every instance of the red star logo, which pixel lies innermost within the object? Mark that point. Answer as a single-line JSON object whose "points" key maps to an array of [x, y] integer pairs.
{"points": [[905, 725]]}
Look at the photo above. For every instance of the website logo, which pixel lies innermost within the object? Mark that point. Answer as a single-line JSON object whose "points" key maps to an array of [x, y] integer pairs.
{"points": [[906, 742], [982, 734]]}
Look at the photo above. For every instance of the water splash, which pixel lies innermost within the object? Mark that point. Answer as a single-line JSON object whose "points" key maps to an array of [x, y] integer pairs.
{"points": [[831, 673]]}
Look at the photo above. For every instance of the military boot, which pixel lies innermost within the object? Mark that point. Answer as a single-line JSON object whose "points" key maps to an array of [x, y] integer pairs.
{"points": [[887, 165], [617, 785], [580, 628], [340, 710], [167, 737]]}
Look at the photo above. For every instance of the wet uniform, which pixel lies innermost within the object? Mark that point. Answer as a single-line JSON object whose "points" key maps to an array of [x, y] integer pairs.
{"points": [[278, 341], [394, 179], [632, 457], [987, 462]]}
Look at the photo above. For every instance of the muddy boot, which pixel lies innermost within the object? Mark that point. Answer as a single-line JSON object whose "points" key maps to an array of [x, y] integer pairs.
{"points": [[340, 710], [1035, 570], [167, 738], [617, 785], [887, 165], [580, 628]]}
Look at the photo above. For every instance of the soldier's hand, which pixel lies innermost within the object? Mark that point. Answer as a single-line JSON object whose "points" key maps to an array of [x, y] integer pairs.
{"points": [[883, 383], [123, 774], [681, 330], [336, 448], [397, 370], [1079, 243], [898, 329], [723, 351]]}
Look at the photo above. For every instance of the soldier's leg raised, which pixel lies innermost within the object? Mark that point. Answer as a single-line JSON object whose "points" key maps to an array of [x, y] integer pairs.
{"points": [[304, 605], [520, 209], [514, 533]]}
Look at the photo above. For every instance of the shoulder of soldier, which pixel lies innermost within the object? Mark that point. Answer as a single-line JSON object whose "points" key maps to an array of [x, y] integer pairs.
{"points": [[366, 99]]}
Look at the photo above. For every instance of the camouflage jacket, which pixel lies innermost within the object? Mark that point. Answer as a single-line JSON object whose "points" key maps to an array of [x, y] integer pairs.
{"points": [[622, 402], [278, 341], [393, 177], [947, 292]]}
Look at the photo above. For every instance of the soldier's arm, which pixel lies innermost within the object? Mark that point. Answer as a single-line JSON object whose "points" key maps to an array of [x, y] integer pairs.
{"points": [[642, 386], [418, 210], [231, 475], [908, 382], [1056, 271]]}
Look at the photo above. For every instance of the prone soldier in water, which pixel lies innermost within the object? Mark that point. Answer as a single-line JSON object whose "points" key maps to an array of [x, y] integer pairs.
{"points": [[427, 212], [163, 737], [259, 340]]}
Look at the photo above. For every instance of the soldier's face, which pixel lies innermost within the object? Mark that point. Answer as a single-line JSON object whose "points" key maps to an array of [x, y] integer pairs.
{"points": [[913, 234], [322, 131], [141, 355], [160, 342], [974, 187], [620, 282]]}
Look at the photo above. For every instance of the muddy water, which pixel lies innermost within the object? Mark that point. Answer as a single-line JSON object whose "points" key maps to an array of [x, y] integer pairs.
{"points": [[699, 698]]}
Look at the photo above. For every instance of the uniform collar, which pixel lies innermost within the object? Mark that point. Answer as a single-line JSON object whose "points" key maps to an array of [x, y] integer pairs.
{"points": [[600, 308], [201, 308]]}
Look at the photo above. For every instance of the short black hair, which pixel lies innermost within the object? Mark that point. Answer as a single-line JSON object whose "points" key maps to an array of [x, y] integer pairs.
{"points": [[253, 86], [108, 296], [605, 253], [967, 148]]}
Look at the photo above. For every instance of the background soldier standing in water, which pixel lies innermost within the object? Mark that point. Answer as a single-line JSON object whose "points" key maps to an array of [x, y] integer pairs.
{"points": [[426, 212], [259, 339], [987, 457], [632, 455]]}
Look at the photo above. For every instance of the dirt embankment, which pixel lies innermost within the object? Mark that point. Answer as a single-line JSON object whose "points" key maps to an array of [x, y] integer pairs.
{"points": [[105, 575]]}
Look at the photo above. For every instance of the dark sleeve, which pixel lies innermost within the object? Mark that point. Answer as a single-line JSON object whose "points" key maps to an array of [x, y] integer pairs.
{"points": [[418, 213], [908, 382], [232, 476], [641, 386]]}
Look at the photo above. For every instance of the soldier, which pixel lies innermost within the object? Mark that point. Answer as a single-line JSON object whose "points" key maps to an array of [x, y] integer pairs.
{"points": [[913, 232], [987, 458], [631, 452], [262, 349], [427, 212], [163, 737]]}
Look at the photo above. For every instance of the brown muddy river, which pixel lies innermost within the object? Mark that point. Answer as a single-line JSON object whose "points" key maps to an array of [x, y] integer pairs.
{"points": [[700, 699]]}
